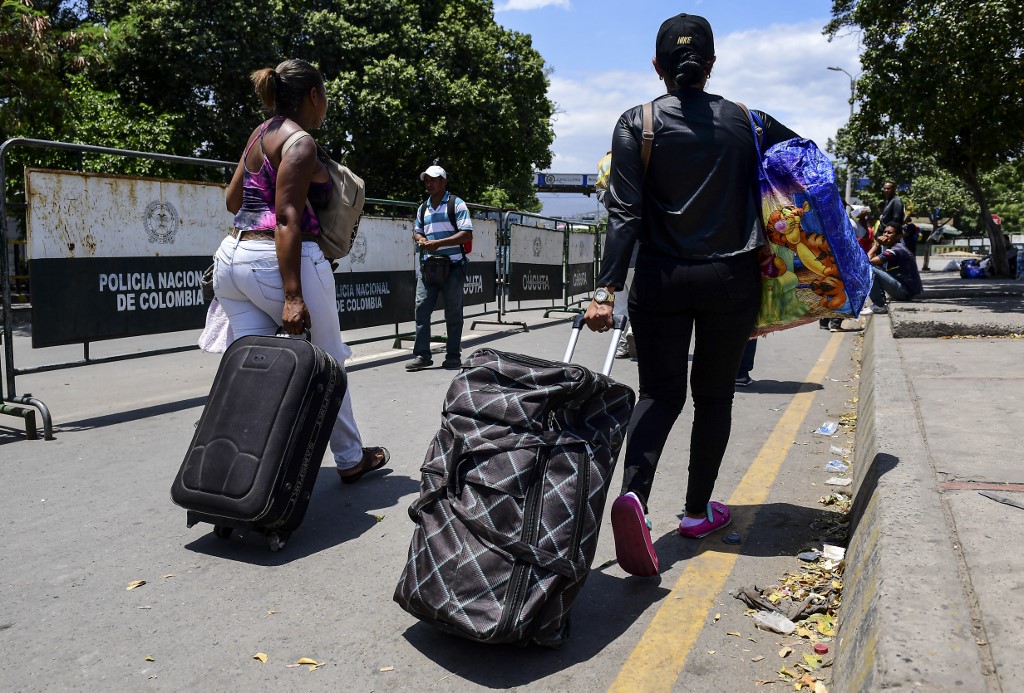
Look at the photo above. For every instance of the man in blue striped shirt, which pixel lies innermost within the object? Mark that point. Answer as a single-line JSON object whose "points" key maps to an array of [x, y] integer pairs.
{"points": [[443, 228]]}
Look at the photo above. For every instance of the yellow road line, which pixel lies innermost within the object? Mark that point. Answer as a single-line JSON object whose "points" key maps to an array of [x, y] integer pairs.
{"points": [[658, 658]]}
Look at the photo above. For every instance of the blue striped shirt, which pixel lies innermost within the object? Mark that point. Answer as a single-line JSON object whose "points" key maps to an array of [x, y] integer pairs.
{"points": [[436, 225]]}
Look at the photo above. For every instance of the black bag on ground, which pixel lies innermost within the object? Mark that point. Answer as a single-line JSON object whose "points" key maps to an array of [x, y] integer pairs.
{"points": [[436, 269], [511, 498], [262, 436]]}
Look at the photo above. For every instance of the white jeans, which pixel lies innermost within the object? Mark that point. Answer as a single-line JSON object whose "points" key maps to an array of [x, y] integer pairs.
{"points": [[248, 285]]}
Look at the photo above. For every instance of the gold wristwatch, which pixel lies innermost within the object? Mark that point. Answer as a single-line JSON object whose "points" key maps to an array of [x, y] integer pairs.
{"points": [[603, 295]]}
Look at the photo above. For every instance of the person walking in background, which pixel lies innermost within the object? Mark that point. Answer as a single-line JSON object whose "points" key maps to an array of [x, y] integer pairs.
{"points": [[441, 242], [743, 378], [911, 231], [892, 211], [695, 214], [269, 273], [894, 268]]}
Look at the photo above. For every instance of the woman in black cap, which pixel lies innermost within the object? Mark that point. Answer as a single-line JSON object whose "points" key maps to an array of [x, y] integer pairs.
{"points": [[693, 206]]}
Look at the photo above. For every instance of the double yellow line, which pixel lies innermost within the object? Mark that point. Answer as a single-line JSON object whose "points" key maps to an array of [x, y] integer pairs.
{"points": [[658, 658]]}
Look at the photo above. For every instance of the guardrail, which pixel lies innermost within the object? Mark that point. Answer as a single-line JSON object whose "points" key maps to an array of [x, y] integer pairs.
{"points": [[559, 262]]}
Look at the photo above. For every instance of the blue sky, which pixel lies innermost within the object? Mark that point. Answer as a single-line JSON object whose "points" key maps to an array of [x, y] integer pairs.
{"points": [[771, 56]]}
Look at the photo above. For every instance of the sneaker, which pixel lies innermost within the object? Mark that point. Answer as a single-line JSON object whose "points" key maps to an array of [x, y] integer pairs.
{"points": [[835, 325], [631, 343], [633, 546], [866, 310], [823, 324], [452, 363], [622, 349], [718, 517], [744, 381], [879, 310], [418, 364]]}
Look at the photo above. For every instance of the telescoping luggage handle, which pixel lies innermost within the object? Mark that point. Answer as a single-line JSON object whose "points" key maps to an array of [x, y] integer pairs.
{"points": [[618, 325]]}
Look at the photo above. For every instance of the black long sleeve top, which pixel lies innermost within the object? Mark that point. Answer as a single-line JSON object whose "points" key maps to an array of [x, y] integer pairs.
{"points": [[699, 198]]}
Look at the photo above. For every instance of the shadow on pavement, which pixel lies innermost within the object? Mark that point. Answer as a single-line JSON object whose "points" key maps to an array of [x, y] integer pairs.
{"points": [[779, 387], [606, 608], [881, 463], [768, 530], [336, 515], [609, 605], [468, 347], [129, 415]]}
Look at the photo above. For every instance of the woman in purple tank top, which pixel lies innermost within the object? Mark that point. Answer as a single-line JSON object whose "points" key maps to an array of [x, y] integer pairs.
{"points": [[269, 272]]}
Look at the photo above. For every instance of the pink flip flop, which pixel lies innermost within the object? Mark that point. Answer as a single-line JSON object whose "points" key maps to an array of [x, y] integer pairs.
{"points": [[633, 547]]}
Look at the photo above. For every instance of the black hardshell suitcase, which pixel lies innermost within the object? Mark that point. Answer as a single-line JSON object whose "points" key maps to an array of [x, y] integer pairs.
{"points": [[512, 494], [262, 435]]}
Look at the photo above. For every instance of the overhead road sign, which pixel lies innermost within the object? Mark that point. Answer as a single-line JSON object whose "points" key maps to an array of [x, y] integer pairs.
{"points": [[565, 182]]}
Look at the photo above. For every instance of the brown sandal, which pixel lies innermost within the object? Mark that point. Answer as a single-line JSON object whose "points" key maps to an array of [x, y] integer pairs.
{"points": [[379, 455]]}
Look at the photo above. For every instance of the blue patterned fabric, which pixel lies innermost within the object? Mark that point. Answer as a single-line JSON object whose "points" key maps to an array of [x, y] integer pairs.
{"points": [[813, 266]]}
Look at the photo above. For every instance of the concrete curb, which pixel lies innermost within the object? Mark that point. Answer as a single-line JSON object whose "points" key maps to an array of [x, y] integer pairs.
{"points": [[905, 621]]}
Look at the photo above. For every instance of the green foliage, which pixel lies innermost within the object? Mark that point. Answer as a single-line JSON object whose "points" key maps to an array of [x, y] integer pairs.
{"points": [[1006, 189], [938, 189], [409, 82], [32, 59], [947, 76], [414, 83]]}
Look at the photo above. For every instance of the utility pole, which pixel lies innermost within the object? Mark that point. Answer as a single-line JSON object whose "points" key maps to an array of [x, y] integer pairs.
{"points": [[853, 96]]}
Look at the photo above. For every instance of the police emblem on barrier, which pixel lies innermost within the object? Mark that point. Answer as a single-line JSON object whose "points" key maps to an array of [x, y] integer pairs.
{"points": [[536, 247], [358, 252], [161, 221]]}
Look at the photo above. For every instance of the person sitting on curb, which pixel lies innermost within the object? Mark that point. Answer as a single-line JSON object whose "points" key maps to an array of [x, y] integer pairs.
{"points": [[894, 268]]}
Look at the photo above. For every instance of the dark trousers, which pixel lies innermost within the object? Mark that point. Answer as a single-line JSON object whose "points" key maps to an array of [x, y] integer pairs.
{"points": [[747, 362], [426, 299], [715, 302]]}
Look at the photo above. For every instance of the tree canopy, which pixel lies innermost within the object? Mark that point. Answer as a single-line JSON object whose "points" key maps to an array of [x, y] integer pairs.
{"points": [[947, 75], [410, 82]]}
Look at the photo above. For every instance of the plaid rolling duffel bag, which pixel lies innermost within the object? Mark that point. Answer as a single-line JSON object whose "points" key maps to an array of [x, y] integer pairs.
{"points": [[512, 494]]}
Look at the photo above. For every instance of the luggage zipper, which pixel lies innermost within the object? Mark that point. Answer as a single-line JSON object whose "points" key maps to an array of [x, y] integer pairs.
{"points": [[531, 526], [296, 490], [581, 498]]}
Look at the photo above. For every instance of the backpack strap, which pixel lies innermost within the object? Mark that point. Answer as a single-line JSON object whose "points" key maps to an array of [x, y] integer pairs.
{"points": [[648, 133], [295, 137], [453, 221], [755, 123], [292, 139]]}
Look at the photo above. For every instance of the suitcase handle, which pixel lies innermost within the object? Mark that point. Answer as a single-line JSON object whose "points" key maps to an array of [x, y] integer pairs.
{"points": [[306, 334], [619, 323]]}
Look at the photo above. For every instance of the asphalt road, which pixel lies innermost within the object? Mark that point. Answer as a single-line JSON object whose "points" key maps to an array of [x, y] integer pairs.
{"points": [[89, 513]]}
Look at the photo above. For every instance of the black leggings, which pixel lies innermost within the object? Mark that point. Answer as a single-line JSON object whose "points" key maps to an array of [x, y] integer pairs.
{"points": [[717, 301]]}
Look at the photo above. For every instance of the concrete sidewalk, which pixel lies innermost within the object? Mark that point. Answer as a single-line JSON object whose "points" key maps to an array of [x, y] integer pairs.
{"points": [[934, 588]]}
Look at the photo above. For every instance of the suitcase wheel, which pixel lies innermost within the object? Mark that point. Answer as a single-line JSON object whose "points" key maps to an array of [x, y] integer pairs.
{"points": [[222, 532], [275, 541]]}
